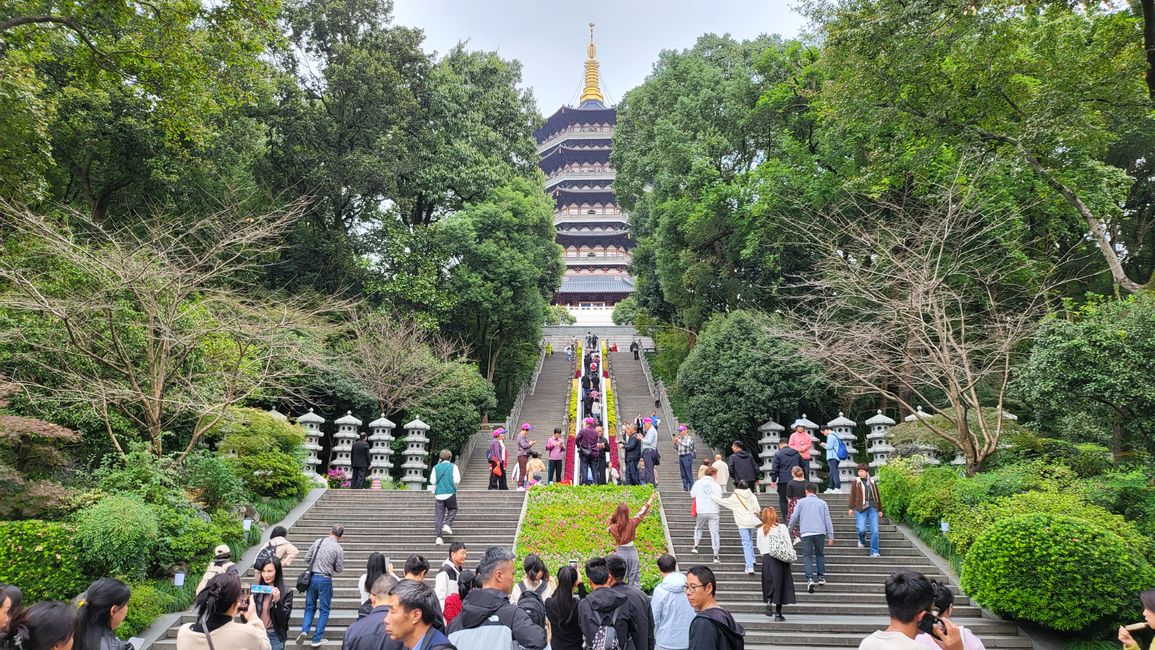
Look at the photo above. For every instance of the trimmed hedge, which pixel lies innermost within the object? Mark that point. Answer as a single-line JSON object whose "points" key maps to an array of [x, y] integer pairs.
{"points": [[41, 557], [1055, 570], [566, 522]]}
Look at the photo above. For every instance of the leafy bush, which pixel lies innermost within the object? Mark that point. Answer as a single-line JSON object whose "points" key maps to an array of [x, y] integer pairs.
{"points": [[117, 536], [564, 522], [1041, 567], [41, 557], [214, 480], [1127, 493], [249, 431], [186, 536], [896, 482], [273, 474], [145, 605], [1091, 460], [142, 473], [933, 495]]}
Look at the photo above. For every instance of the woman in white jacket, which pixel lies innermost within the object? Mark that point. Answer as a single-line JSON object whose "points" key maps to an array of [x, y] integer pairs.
{"points": [[744, 505], [703, 493], [777, 582]]}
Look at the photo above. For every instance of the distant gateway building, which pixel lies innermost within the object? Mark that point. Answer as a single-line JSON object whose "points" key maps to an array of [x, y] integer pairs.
{"points": [[574, 153]]}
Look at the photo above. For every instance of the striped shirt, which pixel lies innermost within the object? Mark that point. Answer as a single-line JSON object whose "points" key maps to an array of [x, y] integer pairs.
{"points": [[330, 557]]}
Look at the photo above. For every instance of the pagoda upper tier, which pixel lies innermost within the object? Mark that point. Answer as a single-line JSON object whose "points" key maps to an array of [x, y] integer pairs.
{"points": [[574, 147]]}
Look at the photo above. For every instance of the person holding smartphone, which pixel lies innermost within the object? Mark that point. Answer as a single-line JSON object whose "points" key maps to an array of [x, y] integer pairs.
{"points": [[274, 603], [910, 599], [217, 606]]}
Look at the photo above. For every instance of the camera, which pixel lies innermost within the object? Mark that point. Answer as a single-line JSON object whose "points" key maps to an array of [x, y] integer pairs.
{"points": [[930, 624]]}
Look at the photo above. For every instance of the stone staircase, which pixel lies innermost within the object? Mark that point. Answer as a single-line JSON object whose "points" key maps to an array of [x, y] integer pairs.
{"points": [[545, 409], [397, 523], [849, 607], [632, 392]]}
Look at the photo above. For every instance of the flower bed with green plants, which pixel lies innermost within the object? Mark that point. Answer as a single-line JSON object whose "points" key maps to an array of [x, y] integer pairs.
{"points": [[1051, 534], [566, 522]]}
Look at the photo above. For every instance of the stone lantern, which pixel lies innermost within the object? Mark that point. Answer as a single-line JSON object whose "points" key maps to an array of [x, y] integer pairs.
{"points": [[925, 449], [415, 453], [342, 454], [380, 440], [812, 429], [878, 444], [771, 435], [844, 428], [312, 423]]}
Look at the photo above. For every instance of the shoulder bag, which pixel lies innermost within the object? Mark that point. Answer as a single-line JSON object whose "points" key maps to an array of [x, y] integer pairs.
{"points": [[306, 577], [779, 546]]}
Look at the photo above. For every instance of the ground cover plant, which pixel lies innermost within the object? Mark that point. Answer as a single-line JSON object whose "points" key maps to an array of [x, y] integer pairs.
{"points": [[564, 522]]}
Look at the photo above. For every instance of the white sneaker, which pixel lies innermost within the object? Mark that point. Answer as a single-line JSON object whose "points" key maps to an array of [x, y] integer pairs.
{"points": [[861, 545], [318, 644], [749, 571], [797, 541], [717, 560], [521, 489], [694, 550], [809, 586], [438, 542], [446, 529], [302, 637]]}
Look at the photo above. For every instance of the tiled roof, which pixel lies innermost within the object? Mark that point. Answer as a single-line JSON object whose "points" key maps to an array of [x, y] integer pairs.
{"points": [[568, 116], [596, 284]]}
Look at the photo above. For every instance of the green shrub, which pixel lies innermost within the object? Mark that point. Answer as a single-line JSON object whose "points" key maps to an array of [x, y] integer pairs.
{"points": [[186, 537], [564, 522], [933, 495], [146, 604], [1091, 460], [41, 557], [896, 481], [247, 432], [118, 536], [1127, 493], [273, 474], [214, 480], [1042, 567], [141, 472]]}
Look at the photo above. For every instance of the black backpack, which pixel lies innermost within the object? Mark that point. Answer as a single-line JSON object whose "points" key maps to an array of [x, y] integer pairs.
{"points": [[607, 637], [530, 601], [267, 553]]}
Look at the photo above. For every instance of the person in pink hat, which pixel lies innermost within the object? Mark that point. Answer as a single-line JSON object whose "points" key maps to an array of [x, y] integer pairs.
{"points": [[524, 444], [496, 455]]}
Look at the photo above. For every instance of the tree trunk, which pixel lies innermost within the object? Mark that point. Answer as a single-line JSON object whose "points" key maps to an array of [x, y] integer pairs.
{"points": [[1149, 43]]}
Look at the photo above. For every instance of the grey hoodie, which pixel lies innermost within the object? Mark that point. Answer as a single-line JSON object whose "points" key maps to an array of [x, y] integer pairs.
{"points": [[672, 612]]}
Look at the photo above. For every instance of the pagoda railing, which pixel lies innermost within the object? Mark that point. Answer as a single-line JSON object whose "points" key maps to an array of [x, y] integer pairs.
{"points": [[561, 136]]}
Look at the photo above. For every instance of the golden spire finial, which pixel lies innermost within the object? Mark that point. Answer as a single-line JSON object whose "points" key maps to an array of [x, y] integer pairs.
{"points": [[593, 86]]}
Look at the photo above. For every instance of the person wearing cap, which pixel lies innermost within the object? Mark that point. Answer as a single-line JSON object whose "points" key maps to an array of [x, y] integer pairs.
{"points": [[866, 508], [649, 451], [555, 449], [587, 444], [830, 444], [496, 455], [524, 444], [220, 564], [684, 443]]}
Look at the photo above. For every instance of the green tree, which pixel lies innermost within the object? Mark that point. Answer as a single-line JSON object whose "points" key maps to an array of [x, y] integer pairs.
{"points": [[738, 376], [507, 269], [1097, 359]]}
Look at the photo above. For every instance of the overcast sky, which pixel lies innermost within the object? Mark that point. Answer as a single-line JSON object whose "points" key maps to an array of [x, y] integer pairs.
{"points": [[549, 36]]}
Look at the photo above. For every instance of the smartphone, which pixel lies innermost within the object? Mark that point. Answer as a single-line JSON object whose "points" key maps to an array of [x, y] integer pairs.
{"points": [[573, 563], [930, 624], [262, 589]]}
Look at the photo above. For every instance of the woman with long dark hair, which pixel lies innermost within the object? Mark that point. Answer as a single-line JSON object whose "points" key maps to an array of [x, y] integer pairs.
{"points": [[624, 530], [15, 598], [377, 566], [43, 626], [217, 606], [274, 608], [561, 609], [102, 609]]}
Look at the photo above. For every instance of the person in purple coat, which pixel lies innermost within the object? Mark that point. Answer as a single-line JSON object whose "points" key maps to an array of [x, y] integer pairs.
{"points": [[497, 457], [587, 444]]}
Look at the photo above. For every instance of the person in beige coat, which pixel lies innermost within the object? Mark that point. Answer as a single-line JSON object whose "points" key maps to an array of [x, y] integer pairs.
{"points": [[217, 607], [744, 504]]}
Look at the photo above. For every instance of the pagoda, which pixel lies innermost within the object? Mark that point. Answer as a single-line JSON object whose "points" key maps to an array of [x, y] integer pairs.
{"points": [[574, 153]]}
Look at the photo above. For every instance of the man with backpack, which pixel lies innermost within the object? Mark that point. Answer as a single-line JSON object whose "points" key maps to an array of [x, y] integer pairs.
{"points": [[220, 564], [604, 614], [641, 615], [488, 621], [835, 453], [866, 508], [446, 581]]}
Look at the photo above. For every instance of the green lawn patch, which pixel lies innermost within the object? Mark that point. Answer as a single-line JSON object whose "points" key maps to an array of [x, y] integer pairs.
{"points": [[567, 522]]}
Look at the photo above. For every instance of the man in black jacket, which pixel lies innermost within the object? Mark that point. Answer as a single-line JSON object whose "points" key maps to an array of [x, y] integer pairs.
{"points": [[604, 605], [487, 617], [741, 464], [781, 466], [368, 632], [360, 461], [633, 447], [641, 628]]}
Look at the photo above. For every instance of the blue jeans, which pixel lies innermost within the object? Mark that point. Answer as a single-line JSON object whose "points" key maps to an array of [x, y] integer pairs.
{"points": [[748, 546], [835, 479], [861, 519], [812, 546], [275, 641], [319, 596], [686, 468]]}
